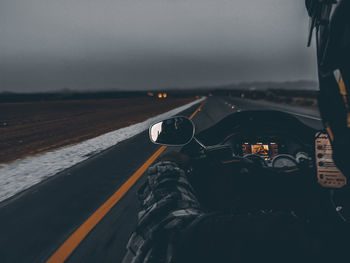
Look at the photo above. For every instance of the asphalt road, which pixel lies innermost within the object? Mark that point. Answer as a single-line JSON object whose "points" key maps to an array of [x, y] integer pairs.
{"points": [[35, 223]]}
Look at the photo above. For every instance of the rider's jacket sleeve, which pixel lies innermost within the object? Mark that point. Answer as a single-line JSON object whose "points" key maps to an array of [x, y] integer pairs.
{"points": [[168, 204]]}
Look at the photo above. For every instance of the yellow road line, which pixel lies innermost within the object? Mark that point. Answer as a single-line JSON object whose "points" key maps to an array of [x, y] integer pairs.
{"points": [[196, 111], [67, 248]]}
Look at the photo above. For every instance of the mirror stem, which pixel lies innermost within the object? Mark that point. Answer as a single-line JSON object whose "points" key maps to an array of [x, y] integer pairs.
{"points": [[201, 144]]}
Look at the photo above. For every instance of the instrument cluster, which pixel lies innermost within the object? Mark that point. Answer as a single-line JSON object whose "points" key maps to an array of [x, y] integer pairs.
{"points": [[281, 152]]}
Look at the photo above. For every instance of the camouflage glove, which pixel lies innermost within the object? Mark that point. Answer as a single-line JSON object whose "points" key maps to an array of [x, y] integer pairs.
{"points": [[180, 159], [168, 204]]}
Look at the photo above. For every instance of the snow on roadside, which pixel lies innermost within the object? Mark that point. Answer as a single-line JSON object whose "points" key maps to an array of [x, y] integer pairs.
{"points": [[22, 174]]}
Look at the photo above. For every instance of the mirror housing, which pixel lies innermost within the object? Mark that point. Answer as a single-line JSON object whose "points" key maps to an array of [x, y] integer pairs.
{"points": [[175, 131]]}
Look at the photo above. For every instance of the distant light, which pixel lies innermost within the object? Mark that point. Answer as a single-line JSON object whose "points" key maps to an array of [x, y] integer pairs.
{"points": [[160, 95], [233, 107], [165, 95]]}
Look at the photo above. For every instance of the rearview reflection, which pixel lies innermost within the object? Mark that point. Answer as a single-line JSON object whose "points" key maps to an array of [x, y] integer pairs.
{"points": [[173, 131]]}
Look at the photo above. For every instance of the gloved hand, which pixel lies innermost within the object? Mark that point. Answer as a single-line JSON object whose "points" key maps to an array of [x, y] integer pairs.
{"points": [[181, 159]]}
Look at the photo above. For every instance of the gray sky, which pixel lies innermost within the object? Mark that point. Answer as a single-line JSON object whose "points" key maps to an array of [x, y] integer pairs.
{"points": [[143, 44]]}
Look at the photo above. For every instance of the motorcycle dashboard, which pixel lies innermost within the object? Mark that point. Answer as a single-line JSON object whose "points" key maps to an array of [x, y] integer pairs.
{"points": [[267, 146], [266, 150]]}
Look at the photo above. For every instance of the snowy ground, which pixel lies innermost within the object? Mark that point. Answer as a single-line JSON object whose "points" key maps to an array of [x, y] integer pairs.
{"points": [[22, 174]]}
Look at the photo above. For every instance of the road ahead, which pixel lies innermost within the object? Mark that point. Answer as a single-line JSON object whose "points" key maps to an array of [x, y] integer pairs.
{"points": [[35, 223]]}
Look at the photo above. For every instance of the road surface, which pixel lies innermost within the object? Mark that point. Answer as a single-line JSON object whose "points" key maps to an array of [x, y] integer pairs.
{"points": [[35, 223]]}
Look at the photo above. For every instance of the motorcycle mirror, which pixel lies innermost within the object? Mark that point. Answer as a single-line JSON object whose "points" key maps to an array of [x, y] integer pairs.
{"points": [[175, 131]]}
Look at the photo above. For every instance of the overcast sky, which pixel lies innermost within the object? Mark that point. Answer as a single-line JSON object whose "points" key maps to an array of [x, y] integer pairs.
{"points": [[142, 44]]}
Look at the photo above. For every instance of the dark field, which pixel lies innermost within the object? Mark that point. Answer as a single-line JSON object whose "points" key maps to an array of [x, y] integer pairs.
{"points": [[28, 128]]}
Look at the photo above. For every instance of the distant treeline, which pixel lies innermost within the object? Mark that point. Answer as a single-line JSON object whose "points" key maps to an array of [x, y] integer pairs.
{"points": [[294, 97], [262, 94], [26, 97], [254, 90], [270, 94], [51, 96]]}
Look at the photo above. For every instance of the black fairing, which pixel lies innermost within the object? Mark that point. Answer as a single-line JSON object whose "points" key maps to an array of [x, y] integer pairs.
{"points": [[254, 120], [219, 185]]}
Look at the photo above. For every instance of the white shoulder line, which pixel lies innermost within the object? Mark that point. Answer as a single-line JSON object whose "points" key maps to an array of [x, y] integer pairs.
{"points": [[22, 174]]}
